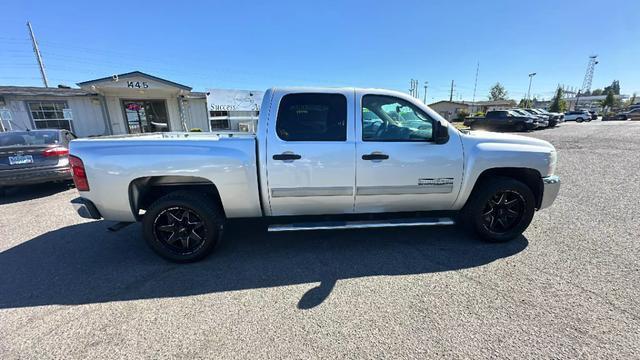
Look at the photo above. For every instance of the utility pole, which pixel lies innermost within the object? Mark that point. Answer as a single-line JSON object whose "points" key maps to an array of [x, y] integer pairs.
{"points": [[528, 105], [426, 85], [36, 50], [475, 84], [451, 93]]}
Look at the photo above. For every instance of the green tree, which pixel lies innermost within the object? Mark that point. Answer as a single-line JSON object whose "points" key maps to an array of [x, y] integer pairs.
{"points": [[462, 114], [597, 92], [498, 92], [609, 101], [523, 103], [615, 87], [558, 104], [632, 100]]}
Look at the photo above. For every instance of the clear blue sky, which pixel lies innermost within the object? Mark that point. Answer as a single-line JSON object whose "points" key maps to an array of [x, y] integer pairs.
{"points": [[255, 45]]}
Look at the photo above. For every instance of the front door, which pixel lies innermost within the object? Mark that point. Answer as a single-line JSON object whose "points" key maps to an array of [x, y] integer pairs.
{"points": [[311, 153], [398, 166], [142, 116]]}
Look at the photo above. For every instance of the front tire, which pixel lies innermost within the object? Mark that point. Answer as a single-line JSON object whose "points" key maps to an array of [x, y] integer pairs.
{"points": [[182, 226], [500, 209], [579, 120]]}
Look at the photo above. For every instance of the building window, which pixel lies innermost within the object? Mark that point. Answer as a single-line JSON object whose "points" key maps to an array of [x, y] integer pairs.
{"points": [[219, 120], [50, 115]]}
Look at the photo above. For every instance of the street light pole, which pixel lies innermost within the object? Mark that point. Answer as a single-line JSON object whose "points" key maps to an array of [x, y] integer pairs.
{"points": [[426, 85], [528, 105]]}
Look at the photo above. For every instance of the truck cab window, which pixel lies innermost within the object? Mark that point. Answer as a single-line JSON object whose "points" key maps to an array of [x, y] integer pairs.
{"points": [[387, 118], [312, 117]]}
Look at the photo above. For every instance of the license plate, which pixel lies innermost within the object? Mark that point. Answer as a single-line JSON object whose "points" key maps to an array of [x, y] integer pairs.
{"points": [[20, 159]]}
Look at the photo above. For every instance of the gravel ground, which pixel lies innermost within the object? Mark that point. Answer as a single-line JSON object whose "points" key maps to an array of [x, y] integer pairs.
{"points": [[568, 288]]}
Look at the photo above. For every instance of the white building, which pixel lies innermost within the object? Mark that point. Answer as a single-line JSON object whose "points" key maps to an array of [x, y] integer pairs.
{"points": [[236, 110], [136, 102], [128, 103]]}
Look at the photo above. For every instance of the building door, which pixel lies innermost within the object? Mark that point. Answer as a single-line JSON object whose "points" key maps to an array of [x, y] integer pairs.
{"points": [[143, 116]]}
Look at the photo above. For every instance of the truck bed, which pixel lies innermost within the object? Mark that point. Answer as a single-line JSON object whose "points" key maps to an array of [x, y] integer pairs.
{"points": [[227, 160]]}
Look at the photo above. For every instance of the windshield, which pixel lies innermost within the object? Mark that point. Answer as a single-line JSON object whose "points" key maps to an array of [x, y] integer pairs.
{"points": [[28, 138]]}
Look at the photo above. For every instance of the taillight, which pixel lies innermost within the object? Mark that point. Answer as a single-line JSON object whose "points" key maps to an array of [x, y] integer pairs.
{"points": [[79, 175], [56, 151]]}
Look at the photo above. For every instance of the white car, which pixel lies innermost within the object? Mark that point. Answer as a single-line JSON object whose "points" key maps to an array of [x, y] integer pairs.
{"points": [[578, 116]]}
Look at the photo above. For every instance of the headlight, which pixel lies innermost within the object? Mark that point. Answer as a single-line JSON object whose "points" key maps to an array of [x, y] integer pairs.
{"points": [[553, 161]]}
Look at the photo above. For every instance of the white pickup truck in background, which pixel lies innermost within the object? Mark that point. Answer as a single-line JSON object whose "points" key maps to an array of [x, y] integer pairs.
{"points": [[321, 159]]}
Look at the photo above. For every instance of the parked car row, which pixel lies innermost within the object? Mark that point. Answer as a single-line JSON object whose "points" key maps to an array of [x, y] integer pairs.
{"points": [[633, 113], [516, 119]]}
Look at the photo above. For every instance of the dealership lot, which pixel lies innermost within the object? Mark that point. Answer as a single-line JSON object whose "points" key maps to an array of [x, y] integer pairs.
{"points": [[567, 288]]}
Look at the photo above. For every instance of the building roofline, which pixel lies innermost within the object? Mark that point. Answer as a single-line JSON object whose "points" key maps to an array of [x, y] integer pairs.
{"points": [[42, 91], [450, 102], [138, 73]]}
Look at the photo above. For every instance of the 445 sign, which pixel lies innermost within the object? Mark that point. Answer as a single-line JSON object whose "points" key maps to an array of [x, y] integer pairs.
{"points": [[137, 85]]}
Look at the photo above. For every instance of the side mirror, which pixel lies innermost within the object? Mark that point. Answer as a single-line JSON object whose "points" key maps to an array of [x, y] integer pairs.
{"points": [[440, 133]]}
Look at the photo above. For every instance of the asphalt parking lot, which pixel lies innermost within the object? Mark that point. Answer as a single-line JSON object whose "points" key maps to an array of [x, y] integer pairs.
{"points": [[568, 288]]}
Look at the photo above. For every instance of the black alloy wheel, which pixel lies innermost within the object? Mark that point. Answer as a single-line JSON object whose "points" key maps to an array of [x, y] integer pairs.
{"points": [[499, 209], [183, 226], [180, 229], [503, 211]]}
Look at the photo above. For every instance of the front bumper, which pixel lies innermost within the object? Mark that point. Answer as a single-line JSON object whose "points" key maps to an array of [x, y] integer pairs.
{"points": [[85, 208], [31, 176], [551, 187]]}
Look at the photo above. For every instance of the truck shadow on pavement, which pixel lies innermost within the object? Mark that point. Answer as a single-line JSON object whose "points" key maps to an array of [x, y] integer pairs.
{"points": [[83, 264]]}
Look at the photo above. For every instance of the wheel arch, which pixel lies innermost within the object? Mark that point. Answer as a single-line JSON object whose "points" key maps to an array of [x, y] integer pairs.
{"points": [[144, 191], [530, 177]]}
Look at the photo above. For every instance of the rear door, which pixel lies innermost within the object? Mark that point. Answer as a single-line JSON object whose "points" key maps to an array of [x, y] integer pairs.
{"points": [[311, 153], [398, 166]]}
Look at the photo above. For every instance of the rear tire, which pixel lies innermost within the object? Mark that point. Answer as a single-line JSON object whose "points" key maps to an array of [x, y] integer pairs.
{"points": [[183, 226], [500, 209]]}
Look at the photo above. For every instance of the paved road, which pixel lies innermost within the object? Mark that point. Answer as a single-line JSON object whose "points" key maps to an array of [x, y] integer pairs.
{"points": [[568, 288]]}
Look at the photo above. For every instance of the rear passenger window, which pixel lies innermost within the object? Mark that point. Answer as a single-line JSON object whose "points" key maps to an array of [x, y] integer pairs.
{"points": [[312, 117]]}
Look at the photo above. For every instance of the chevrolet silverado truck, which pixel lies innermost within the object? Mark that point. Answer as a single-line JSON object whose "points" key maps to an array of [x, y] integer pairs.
{"points": [[320, 159]]}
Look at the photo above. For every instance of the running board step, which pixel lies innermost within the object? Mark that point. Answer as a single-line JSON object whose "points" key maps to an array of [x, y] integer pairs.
{"points": [[366, 224]]}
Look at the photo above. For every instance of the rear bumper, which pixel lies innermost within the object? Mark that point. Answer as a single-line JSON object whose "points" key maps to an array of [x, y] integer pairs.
{"points": [[551, 187], [85, 208], [34, 176]]}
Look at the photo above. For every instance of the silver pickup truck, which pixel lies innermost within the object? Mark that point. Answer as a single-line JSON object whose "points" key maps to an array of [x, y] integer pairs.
{"points": [[320, 159]]}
